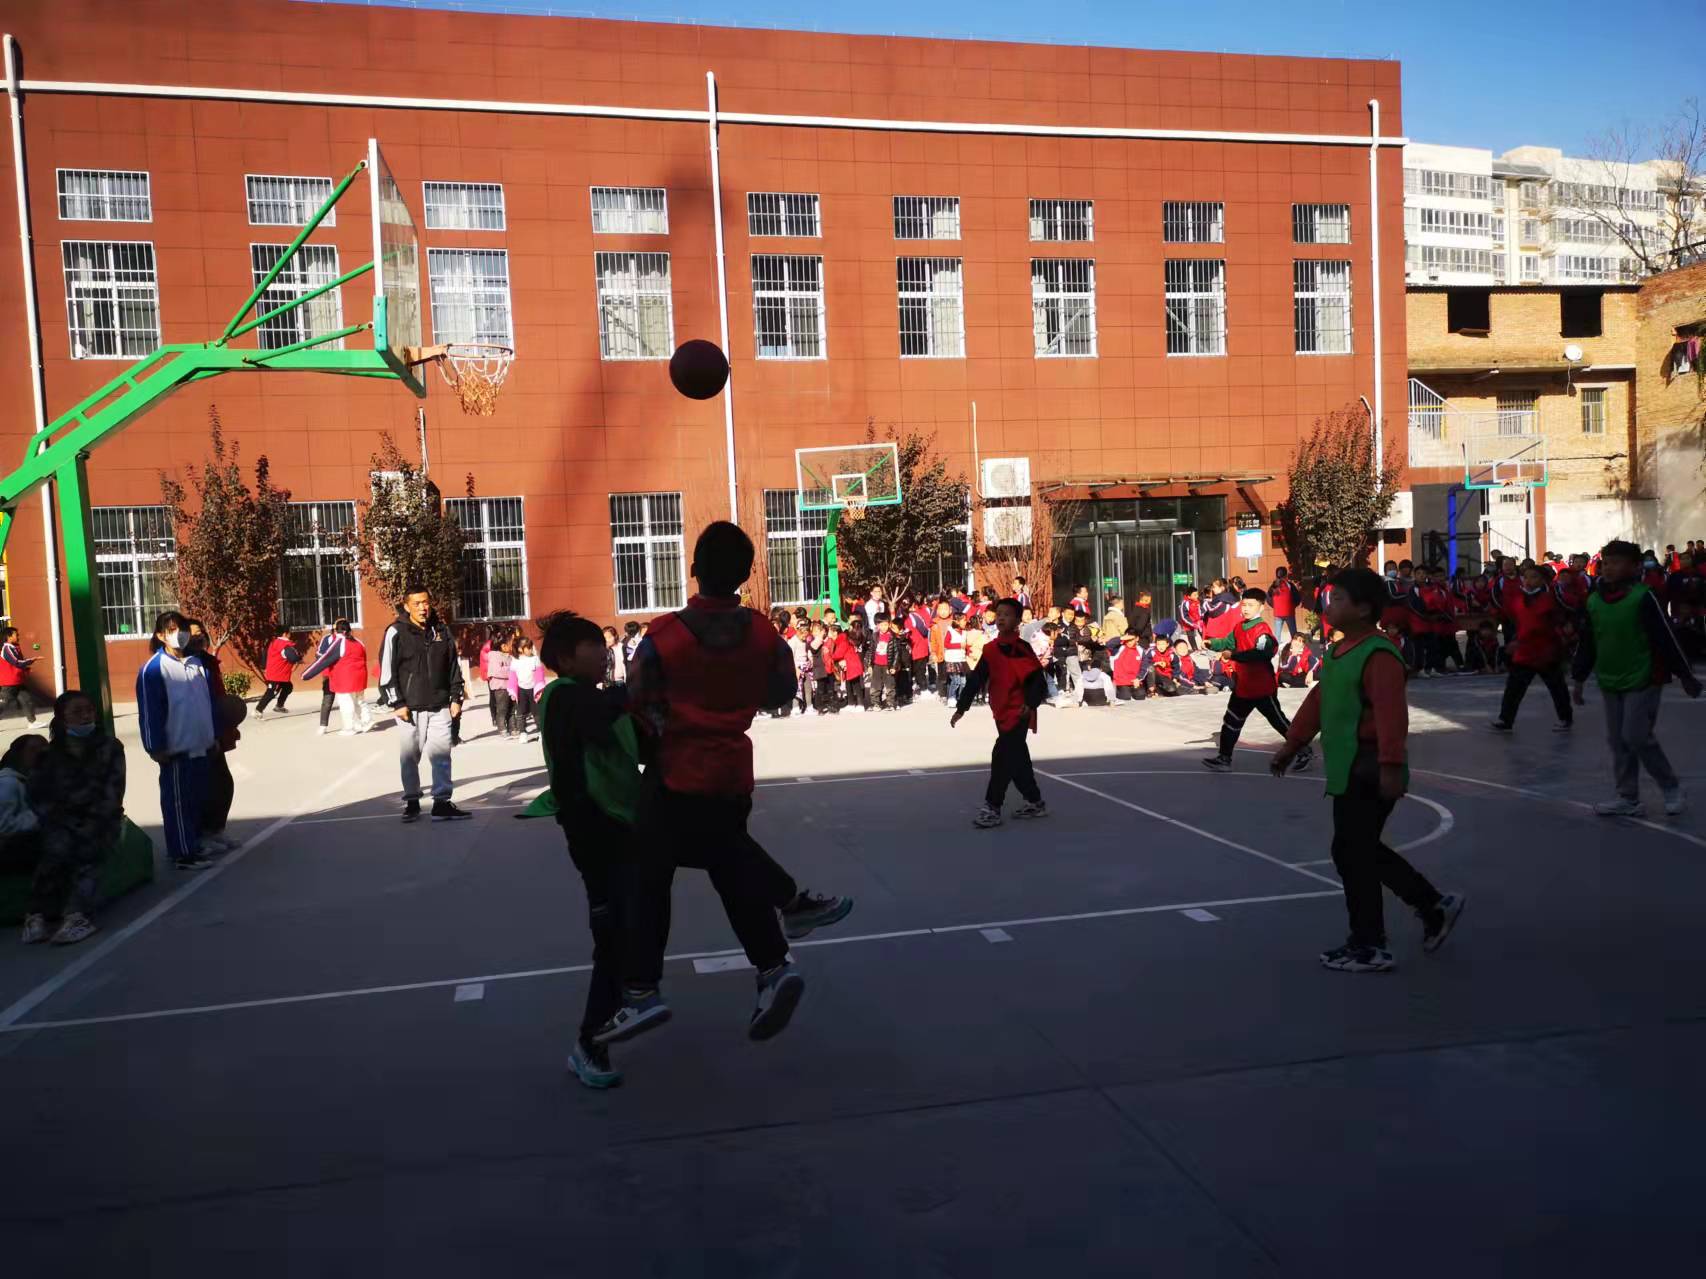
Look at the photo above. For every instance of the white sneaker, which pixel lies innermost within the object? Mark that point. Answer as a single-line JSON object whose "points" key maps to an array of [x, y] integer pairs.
{"points": [[1620, 807], [1675, 802], [322, 730], [73, 929]]}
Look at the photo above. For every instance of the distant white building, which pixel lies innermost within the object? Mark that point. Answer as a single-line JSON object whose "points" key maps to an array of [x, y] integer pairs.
{"points": [[1534, 215]]}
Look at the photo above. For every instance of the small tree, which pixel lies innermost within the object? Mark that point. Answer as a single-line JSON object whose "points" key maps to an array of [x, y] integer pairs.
{"points": [[230, 546], [883, 545], [403, 536], [1339, 500]]}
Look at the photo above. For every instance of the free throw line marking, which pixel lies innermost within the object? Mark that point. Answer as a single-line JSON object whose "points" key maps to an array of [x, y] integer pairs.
{"points": [[470, 991], [1200, 915], [994, 935]]}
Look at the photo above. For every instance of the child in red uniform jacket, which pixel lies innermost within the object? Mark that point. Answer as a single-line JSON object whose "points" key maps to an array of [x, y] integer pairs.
{"points": [[1251, 648], [1013, 676], [1160, 670], [1128, 668], [1537, 615], [1299, 666], [282, 657]]}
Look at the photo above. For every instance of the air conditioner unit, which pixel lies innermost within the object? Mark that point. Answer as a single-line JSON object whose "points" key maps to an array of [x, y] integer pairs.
{"points": [[1007, 526], [1007, 477]]}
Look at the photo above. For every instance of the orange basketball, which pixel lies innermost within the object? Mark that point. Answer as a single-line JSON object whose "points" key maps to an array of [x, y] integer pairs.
{"points": [[699, 369]]}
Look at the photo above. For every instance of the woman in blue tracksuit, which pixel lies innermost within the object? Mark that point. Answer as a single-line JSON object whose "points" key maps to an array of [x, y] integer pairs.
{"points": [[174, 700]]}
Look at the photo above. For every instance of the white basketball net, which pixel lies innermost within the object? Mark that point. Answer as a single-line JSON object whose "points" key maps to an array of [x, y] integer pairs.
{"points": [[475, 371]]}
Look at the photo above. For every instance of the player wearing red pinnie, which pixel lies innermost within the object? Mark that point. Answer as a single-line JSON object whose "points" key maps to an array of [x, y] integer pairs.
{"points": [[1014, 678], [1251, 648]]}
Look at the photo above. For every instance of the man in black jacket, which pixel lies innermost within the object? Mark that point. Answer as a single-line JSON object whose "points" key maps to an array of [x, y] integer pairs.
{"points": [[420, 677]]}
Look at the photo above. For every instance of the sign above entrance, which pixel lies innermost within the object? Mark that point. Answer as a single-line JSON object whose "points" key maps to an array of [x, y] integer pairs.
{"points": [[1246, 520]]}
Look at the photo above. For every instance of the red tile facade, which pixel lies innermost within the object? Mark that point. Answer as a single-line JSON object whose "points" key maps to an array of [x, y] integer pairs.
{"points": [[571, 428]]}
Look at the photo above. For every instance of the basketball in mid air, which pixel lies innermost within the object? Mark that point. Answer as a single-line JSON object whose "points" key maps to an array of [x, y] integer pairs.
{"points": [[699, 369]]}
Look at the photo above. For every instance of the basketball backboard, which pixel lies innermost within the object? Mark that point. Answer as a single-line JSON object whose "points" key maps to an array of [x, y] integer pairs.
{"points": [[396, 273], [1495, 461], [845, 476]]}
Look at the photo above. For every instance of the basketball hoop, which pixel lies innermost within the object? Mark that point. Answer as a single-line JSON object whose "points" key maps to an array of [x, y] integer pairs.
{"points": [[476, 372]]}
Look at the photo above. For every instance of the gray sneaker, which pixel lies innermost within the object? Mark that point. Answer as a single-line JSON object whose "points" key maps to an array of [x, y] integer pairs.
{"points": [[779, 993]]}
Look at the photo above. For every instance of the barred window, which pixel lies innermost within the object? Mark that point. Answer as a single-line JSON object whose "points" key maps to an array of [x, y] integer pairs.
{"points": [[464, 206], [646, 546], [635, 317], [104, 195], [793, 549], [787, 306], [782, 213], [1516, 412], [932, 307], [136, 560], [1321, 223], [1063, 220], [1196, 306], [1593, 410], [1063, 306], [927, 217], [112, 299], [316, 580], [630, 211], [287, 201], [494, 557], [470, 295], [1193, 222], [312, 266], [1322, 307]]}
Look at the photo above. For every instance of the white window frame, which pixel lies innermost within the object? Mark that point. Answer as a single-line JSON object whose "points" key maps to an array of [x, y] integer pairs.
{"points": [[111, 290], [1193, 222], [129, 564], [775, 275], [105, 197], [1190, 285], [1602, 401], [1517, 412], [463, 206], [1063, 298], [1058, 221], [300, 193], [625, 282], [1321, 291], [325, 548], [1589, 267], [939, 283], [488, 527], [305, 271], [926, 217], [658, 517], [1462, 186], [794, 538], [1472, 223], [787, 209], [481, 298], [1529, 265], [1320, 224], [629, 210]]}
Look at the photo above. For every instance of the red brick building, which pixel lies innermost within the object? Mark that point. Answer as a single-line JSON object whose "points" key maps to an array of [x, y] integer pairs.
{"points": [[930, 224]]}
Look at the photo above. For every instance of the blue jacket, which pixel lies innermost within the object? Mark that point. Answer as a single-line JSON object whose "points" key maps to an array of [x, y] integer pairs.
{"points": [[174, 701]]}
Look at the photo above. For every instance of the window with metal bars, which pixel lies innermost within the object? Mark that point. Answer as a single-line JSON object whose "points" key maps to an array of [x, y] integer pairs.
{"points": [[464, 206], [1515, 412], [787, 306], [470, 295], [630, 211], [1062, 220], [112, 299], [927, 217], [932, 307], [136, 560], [1063, 306], [1321, 305], [275, 201], [793, 549], [1593, 410], [1193, 221], [312, 266], [782, 213], [104, 195], [316, 578], [635, 317], [494, 557], [1321, 223], [1196, 306], [646, 547]]}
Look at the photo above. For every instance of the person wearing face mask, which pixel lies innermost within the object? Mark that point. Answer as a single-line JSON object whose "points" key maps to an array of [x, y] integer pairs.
{"points": [[174, 702], [221, 785], [76, 791]]}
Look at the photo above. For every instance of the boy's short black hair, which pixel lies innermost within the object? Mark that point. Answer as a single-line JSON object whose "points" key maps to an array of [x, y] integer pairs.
{"points": [[1365, 587], [1621, 549], [1010, 602], [1281, 572], [561, 633], [722, 558], [631, 629], [9, 631], [1255, 593], [1050, 628]]}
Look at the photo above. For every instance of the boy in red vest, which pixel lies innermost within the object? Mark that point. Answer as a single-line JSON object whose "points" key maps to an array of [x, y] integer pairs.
{"points": [[1251, 648], [1012, 675], [697, 679], [1538, 650], [1360, 712]]}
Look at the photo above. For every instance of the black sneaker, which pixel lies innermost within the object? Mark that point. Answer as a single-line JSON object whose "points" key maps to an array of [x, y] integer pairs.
{"points": [[1217, 764], [591, 1065], [1303, 759], [1351, 958], [779, 994], [193, 862], [808, 911], [1438, 922], [444, 811], [1499, 726], [411, 810]]}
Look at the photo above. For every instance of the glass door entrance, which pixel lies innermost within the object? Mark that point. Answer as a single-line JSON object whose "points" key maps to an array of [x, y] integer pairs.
{"points": [[1169, 544]]}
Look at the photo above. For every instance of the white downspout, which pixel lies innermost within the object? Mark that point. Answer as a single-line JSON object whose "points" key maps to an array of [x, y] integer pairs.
{"points": [[38, 399], [1374, 269], [722, 292]]}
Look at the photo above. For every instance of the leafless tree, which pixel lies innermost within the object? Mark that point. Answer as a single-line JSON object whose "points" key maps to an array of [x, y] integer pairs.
{"points": [[1678, 149]]}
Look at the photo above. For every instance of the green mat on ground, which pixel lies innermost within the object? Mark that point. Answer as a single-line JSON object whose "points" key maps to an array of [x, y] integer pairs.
{"points": [[128, 865]]}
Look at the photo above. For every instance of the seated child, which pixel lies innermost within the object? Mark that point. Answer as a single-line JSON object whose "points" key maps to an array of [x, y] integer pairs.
{"points": [[1298, 667], [1486, 653], [1191, 676], [1159, 669], [1095, 683], [1128, 668]]}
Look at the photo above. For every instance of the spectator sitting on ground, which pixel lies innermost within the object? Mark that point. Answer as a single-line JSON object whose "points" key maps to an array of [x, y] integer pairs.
{"points": [[77, 792]]}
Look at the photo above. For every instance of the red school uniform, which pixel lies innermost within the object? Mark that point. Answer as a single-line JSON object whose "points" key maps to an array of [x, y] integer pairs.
{"points": [[278, 670], [1128, 666], [881, 649]]}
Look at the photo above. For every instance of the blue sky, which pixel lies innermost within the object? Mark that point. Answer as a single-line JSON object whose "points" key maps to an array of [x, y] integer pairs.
{"points": [[1475, 74]]}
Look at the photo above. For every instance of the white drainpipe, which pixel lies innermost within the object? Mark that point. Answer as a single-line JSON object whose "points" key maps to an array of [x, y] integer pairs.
{"points": [[722, 292], [1374, 265]]}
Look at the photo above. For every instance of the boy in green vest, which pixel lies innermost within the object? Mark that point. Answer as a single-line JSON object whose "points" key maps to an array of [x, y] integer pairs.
{"points": [[1630, 646], [1361, 713]]}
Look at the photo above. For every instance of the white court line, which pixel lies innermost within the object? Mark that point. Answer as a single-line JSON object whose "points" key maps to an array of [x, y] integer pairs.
{"points": [[735, 955], [995, 935], [393, 817], [1319, 861], [1570, 803], [470, 991], [876, 777], [720, 964], [1201, 916]]}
